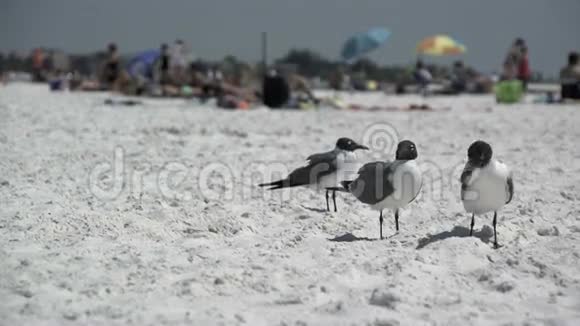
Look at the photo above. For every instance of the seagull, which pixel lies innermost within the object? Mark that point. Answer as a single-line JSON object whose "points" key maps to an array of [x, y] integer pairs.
{"points": [[486, 184], [390, 185], [324, 170]]}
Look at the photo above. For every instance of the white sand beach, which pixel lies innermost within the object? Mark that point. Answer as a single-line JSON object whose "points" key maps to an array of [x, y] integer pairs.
{"points": [[150, 215]]}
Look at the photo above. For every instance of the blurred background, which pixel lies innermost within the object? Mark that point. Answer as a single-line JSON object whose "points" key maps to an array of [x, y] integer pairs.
{"points": [[304, 37]]}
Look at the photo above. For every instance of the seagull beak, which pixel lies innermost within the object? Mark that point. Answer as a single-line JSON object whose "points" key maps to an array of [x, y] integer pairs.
{"points": [[362, 147]]}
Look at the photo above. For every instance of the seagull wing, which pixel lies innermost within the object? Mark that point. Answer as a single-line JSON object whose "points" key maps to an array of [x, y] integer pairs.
{"points": [[318, 165], [326, 157], [374, 182], [466, 178], [509, 188]]}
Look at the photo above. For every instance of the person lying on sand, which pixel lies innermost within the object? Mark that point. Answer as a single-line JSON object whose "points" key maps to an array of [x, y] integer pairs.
{"points": [[212, 85], [299, 84], [411, 107]]}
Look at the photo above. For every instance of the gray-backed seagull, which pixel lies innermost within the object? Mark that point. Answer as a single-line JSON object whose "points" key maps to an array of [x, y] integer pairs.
{"points": [[324, 170], [390, 185]]}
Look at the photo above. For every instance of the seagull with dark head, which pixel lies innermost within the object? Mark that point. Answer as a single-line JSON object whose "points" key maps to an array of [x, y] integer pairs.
{"points": [[324, 170], [486, 184], [390, 185]]}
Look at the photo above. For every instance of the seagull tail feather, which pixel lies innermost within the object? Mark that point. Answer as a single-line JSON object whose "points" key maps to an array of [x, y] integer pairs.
{"points": [[273, 185]]}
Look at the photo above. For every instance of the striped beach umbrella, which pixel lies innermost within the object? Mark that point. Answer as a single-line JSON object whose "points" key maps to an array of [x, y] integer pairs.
{"points": [[440, 45]]}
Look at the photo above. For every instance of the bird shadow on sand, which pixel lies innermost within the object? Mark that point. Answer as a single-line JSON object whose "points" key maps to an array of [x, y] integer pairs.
{"points": [[457, 232], [349, 237], [314, 209]]}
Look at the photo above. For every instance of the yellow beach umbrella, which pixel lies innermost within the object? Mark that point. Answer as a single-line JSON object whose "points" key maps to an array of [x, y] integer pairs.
{"points": [[440, 45]]}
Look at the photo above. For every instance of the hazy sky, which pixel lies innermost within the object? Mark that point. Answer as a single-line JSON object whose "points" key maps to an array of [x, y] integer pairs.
{"points": [[215, 28]]}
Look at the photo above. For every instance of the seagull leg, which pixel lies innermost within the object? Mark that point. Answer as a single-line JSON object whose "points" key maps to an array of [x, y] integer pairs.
{"points": [[495, 245], [397, 219], [327, 206], [472, 224], [334, 199], [381, 224]]}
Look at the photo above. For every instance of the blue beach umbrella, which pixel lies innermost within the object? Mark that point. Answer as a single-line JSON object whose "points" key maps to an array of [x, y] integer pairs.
{"points": [[363, 43], [142, 63]]}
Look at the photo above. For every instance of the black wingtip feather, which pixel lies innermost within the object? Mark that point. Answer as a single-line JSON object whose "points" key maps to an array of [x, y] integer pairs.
{"points": [[273, 185]]}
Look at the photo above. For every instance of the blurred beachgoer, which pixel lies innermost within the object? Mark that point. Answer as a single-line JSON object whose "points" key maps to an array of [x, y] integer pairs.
{"points": [[196, 74], [127, 84], [164, 71], [111, 70], [512, 59], [206, 81], [163, 66], [570, 78], [459, 77], [75, 81], [37, 65], [179, 61], [214, 75], [483, 84], [339, 79], [299, 85], [58, 81], [60, 60], [235, 97], [508, 73], [524, 71], [47, 64], [422, 77], [212, 82]]}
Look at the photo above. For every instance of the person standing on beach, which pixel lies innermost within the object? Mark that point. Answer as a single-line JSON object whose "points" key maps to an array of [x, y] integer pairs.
{"points": [[163, 66], [459, 77], [179, 62], [512, 59], [423, 77], [37, 65], [112, 67], [524, 71]]}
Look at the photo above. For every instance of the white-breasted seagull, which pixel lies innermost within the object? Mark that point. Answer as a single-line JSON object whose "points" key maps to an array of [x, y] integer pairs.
{"points": [[390, 185], [486, 184]]}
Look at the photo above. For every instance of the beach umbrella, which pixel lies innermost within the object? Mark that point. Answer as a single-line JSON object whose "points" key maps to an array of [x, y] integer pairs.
{"points": [[363, 43], [440, 45], [142, 63]]}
